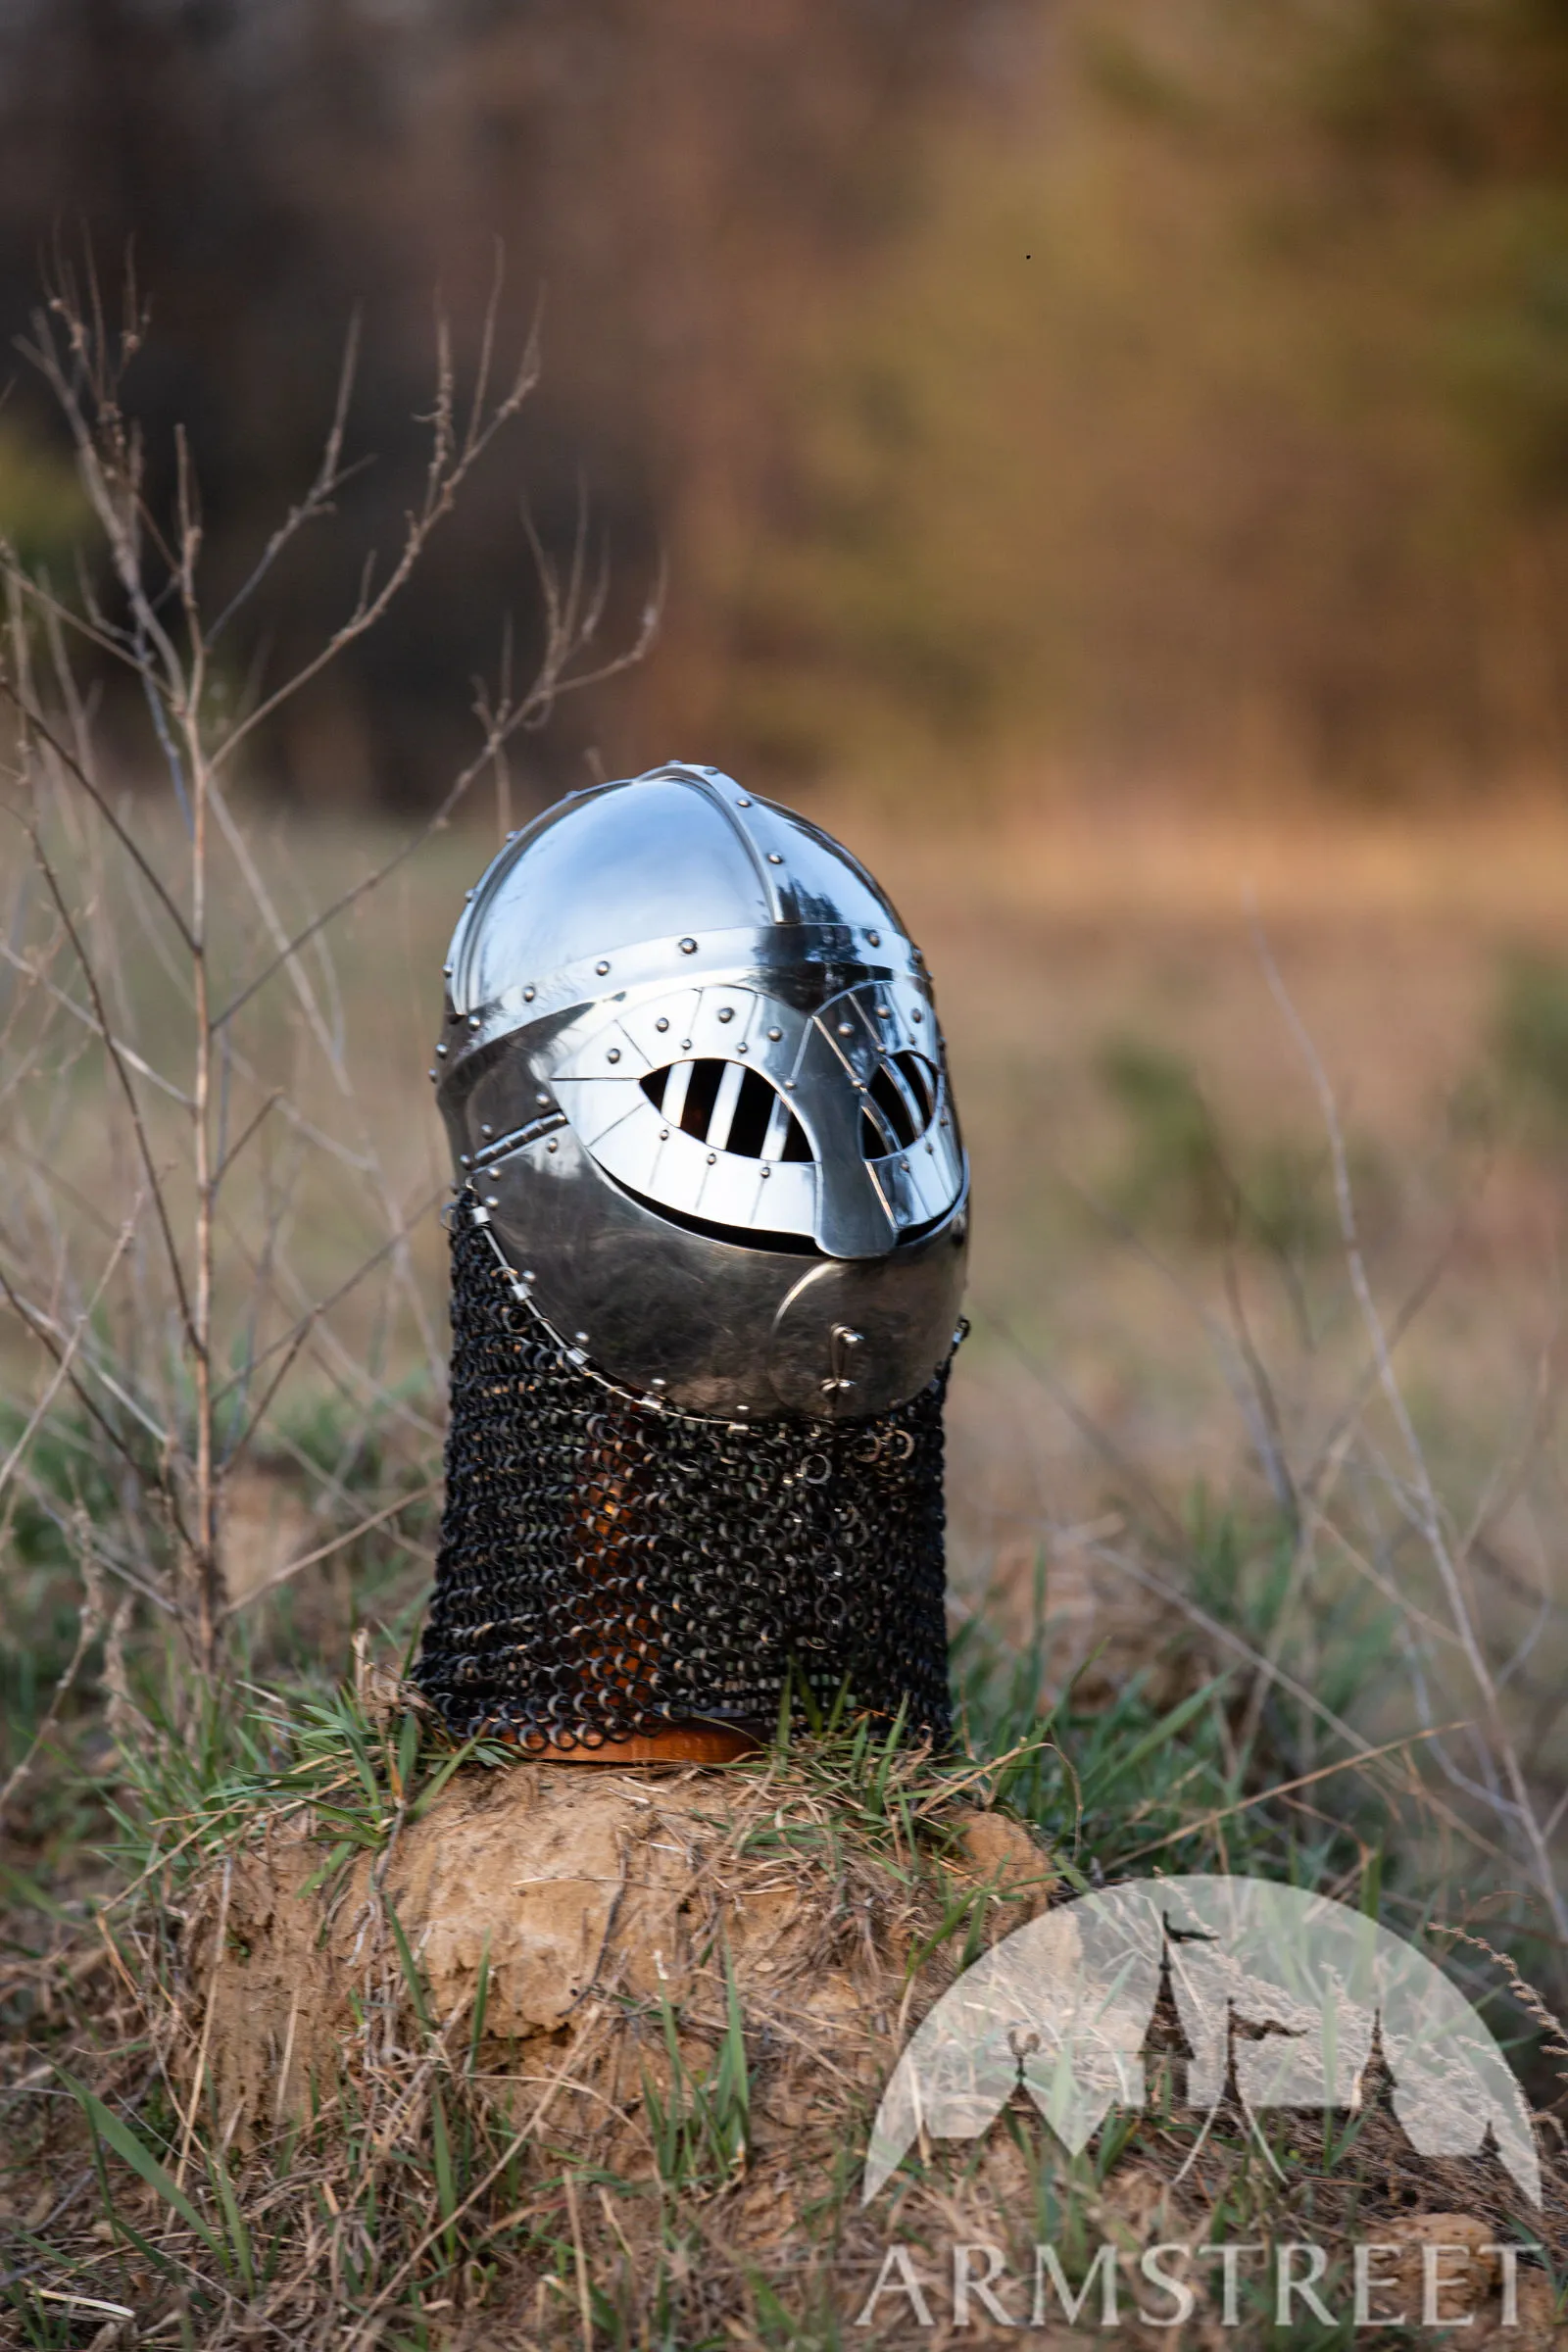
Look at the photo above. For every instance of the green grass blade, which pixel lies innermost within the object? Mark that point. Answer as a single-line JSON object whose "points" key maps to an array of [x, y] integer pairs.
{"points": [[1160, 1734], [411, 1974], [446, 2188], [481, 2002], [239, 2237], [136, 2152]]}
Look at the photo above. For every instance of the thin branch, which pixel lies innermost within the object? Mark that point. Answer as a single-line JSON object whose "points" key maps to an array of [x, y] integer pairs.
{"points": [[92, 1022], [330, 476], [44, 1329], [111, 1048], [67, 1356], [499, 732], [1264, 1796], [445, 475], [34, 719], [257, 887], [251, 1129], [325, 1552], [323, 1307]]}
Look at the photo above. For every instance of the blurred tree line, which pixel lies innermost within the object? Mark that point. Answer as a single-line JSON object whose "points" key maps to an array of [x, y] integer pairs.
{"points": [[1165, 389]]}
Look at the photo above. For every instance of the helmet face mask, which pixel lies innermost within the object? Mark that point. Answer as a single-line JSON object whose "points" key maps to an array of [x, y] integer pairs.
{"points": [[694, 1074]]}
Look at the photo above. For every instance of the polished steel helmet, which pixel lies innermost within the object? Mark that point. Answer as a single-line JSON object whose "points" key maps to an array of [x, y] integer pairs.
{"points": [[692, 1070]]}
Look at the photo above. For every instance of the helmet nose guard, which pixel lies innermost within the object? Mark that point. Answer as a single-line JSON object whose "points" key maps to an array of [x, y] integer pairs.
{"points": [[692, 1069]]}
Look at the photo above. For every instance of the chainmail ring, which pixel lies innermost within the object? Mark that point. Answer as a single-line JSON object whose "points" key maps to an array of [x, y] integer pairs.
{"points": [[609, 1567]]}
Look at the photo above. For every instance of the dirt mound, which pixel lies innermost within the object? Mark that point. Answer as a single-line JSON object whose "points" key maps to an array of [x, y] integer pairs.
{"points": [[636, 2022], [544, 1912]]}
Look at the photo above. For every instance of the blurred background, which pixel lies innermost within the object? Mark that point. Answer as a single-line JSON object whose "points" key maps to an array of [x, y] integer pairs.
{"points": [[1105, 459], [1025, 396]]}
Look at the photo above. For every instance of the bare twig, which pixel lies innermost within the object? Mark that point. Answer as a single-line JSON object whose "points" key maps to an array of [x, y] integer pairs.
{"points": [[325, 1552], [1426, 1512], [180, 1386]]}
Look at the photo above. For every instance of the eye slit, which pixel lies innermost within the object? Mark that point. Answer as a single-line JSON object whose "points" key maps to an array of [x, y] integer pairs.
{"points": [[896, 1114], [729, 1106], [876, 1139], [754, 1108], [702, 1094], [920, 1077], [897, 1105]]}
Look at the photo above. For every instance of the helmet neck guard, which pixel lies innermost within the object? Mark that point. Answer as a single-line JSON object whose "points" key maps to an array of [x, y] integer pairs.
{"points": [[610, 1567]]}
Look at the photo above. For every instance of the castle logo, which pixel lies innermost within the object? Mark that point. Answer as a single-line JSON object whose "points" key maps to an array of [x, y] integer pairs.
{"points": [[1245, 1995]]}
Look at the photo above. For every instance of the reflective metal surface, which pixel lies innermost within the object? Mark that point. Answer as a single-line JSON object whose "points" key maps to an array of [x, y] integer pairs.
{"points": [[692, 1062]]}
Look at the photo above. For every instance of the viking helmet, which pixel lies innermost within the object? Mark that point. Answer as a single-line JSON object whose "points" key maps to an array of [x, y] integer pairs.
{"points": [[692, 1072]]}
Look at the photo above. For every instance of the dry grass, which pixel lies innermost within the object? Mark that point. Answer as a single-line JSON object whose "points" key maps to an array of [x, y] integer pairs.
{"points": [[1105, 1382], [1259, 1433], [576, 2057]]}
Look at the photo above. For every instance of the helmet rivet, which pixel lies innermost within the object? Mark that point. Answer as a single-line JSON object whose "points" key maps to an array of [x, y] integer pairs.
{"points": [[551, 1144], [661, 1024], [541, 1097], [582, 1338], [601, 967], [846, 1028], [790, 1084], [463, 1159], [529, 995], [431, 1073], [881, 1012], [614, 1054], [474, 1020], [492, 1201], [905, 1166], [712, 1156], [685, 1045], [441, 1051], [743, 801], [918, 1014], [726, 1012], [767, 1171], [487, 1130], [875, 937], [688, 947], [742, 1047], [446, 971], [663, 1135], [773, 858]]}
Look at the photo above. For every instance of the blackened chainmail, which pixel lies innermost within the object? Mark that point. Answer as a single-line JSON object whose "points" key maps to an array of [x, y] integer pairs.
{"points": [[609, 1567]]}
